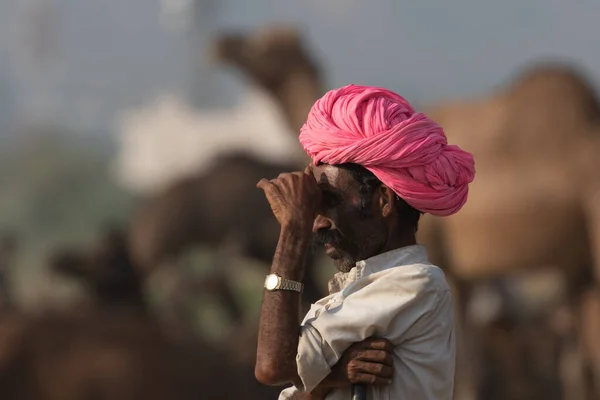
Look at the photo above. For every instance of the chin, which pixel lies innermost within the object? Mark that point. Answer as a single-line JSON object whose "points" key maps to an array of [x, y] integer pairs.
{"points": [[343, 264]]}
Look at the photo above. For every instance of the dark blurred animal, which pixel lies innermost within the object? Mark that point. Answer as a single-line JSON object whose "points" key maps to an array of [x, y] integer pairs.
{"points": [[112, 357], [534, 201], [220, 208]]}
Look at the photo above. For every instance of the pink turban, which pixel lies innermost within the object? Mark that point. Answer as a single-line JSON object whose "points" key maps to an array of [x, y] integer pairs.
{"points": [[407, 151]]}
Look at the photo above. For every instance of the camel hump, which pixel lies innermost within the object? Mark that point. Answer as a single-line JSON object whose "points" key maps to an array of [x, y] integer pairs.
{"points": [[563, 84]]}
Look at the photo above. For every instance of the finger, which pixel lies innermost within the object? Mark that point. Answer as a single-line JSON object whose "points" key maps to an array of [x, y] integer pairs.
{"points": [[263, 183], [376, 356], [271, 190], [380, 370], [378, 344], [269, 185], [297, 174], [360, 377]]}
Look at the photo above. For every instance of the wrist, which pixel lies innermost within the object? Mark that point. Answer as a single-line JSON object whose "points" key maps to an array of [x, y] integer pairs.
{"points": [[291, 253]]}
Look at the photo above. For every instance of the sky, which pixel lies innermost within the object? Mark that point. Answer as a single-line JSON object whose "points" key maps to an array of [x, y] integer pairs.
{"points": [[112, 55]]}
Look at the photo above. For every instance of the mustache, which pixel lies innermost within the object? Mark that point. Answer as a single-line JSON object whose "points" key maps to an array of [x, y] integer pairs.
{"points": [[333, 238]]}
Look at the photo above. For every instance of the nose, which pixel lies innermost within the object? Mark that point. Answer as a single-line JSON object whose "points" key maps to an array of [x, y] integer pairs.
{"points": [[322, 222]]}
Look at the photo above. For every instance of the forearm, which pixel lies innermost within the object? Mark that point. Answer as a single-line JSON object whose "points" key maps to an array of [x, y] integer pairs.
{"points": [[279, 327]]}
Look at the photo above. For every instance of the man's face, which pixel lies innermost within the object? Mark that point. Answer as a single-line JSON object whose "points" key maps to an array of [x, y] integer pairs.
{"points": [[348, 232]]}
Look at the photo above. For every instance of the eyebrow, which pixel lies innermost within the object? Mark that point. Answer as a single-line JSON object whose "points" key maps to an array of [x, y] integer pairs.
{"points": [[326, 187]]}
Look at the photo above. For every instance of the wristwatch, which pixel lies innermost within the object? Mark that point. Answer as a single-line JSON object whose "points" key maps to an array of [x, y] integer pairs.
{"points": [[276, 282]]}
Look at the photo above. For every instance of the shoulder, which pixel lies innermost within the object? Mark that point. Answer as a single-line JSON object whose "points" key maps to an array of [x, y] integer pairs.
{"points": [[421, 277], [420, 286]]}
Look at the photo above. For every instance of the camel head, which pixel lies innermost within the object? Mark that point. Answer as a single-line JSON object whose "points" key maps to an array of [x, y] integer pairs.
{"points": [[556, 83], [275, 59], [269, 57]]}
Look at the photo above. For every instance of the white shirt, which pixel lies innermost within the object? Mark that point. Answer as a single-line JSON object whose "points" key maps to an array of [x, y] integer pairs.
{"points": [[397, 295]]}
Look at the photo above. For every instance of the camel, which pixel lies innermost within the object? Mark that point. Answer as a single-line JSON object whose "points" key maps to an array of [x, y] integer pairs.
{"points": [[530, 196], [534, 200], [538, 157], [172, 220]]}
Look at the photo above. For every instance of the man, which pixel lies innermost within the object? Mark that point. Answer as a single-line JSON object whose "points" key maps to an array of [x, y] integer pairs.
{"points": [[377, 166]]}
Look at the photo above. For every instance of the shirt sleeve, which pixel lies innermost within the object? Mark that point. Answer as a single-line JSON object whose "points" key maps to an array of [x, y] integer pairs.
{"points": [[392, 306], [288, 393]]}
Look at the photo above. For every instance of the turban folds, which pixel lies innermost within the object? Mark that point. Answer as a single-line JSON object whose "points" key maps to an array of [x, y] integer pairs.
{"points": [[407, 151]]}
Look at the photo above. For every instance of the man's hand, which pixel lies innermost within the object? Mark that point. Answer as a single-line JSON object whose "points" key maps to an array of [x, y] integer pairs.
{"points": [[294, 198], [369, 361]]}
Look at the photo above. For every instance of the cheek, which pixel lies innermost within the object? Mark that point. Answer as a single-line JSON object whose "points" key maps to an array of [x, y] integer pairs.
{"points": [[355, 202], [373, 227]]}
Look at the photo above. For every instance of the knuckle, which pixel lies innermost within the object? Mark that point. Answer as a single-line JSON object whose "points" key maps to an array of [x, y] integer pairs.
{"points": [[353, 376]]}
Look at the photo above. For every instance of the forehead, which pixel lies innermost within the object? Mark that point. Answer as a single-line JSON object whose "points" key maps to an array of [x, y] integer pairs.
{"points": [[330, 176]]}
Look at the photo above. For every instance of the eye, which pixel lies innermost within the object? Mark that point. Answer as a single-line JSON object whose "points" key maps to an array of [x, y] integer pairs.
{"points": [[330, 199]]}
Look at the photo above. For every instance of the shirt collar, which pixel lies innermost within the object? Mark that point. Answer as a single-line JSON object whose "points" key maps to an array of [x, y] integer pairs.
{"points": [[407, 255]]}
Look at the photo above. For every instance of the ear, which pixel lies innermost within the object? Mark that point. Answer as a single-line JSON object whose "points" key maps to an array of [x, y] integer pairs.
{"points": [[387, 201]]}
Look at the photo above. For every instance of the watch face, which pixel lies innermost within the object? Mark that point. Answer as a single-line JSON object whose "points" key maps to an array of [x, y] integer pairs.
{"points": [[272, 281]]}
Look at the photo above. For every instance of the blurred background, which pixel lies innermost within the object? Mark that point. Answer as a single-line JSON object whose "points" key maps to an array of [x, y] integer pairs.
{"points": [[133, 243]]}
